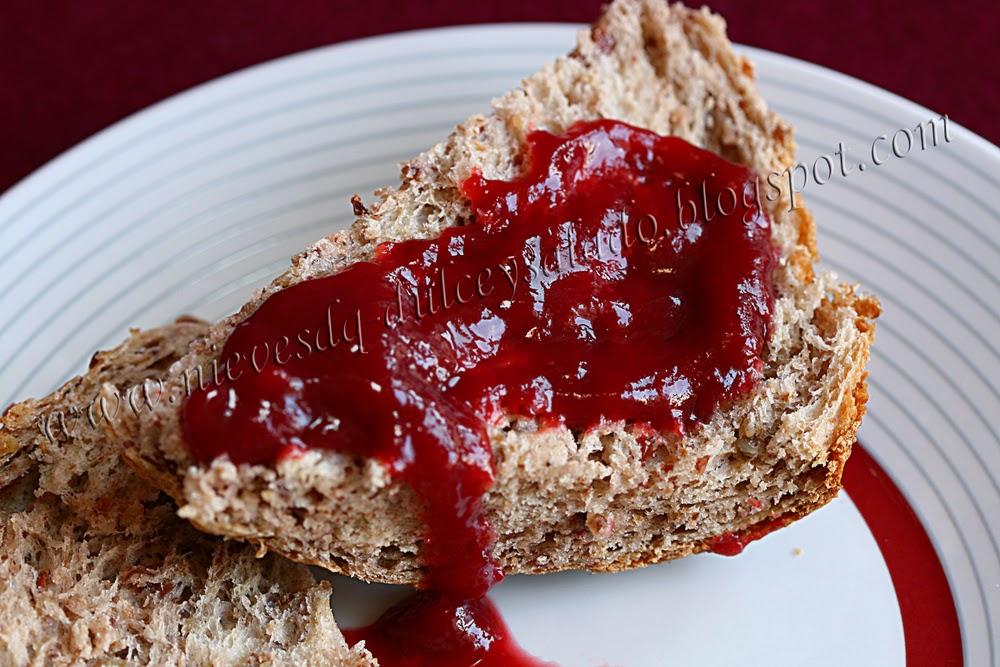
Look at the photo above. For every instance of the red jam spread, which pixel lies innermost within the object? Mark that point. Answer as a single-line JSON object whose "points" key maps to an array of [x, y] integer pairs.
{"points": [[426, 629], [622, 276]]}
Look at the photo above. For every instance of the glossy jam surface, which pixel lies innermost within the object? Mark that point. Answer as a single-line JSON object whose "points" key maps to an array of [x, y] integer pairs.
{"points": [[623, 276], [426, 629]]}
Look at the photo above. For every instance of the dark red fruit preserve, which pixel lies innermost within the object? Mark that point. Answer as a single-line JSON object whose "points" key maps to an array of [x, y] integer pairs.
{"points": [[622, 276], [733, 544], [426, 629]]}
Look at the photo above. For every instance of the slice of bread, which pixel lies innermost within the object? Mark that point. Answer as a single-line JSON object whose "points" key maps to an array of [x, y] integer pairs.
{"points": [[96, 567], [566, 499]]}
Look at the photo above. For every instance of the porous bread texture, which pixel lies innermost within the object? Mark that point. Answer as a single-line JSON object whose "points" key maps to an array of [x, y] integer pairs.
{"points": [[82, 470], [96, 567], [563, 499]]}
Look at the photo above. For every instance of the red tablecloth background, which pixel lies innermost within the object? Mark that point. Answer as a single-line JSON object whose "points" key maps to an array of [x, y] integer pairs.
{"points": [[69, 69]]}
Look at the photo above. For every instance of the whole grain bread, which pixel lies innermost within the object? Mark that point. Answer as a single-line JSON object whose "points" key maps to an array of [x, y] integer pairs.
{"points": [[565, 499], [96, 567]]}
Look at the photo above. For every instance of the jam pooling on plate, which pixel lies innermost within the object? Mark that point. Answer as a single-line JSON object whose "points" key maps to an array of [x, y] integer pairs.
{"points": [[427, 629], [624, 276]]}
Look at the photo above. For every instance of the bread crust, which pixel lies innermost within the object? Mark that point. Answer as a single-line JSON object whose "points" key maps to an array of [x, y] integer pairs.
{"points": [[565, 500]]}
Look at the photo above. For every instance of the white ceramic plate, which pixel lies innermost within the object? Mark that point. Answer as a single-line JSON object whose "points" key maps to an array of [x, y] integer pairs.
{"points": [[186, 207]]}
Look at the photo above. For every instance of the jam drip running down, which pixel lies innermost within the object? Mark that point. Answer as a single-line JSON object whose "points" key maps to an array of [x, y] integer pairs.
{"points": [[623, 276]]}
